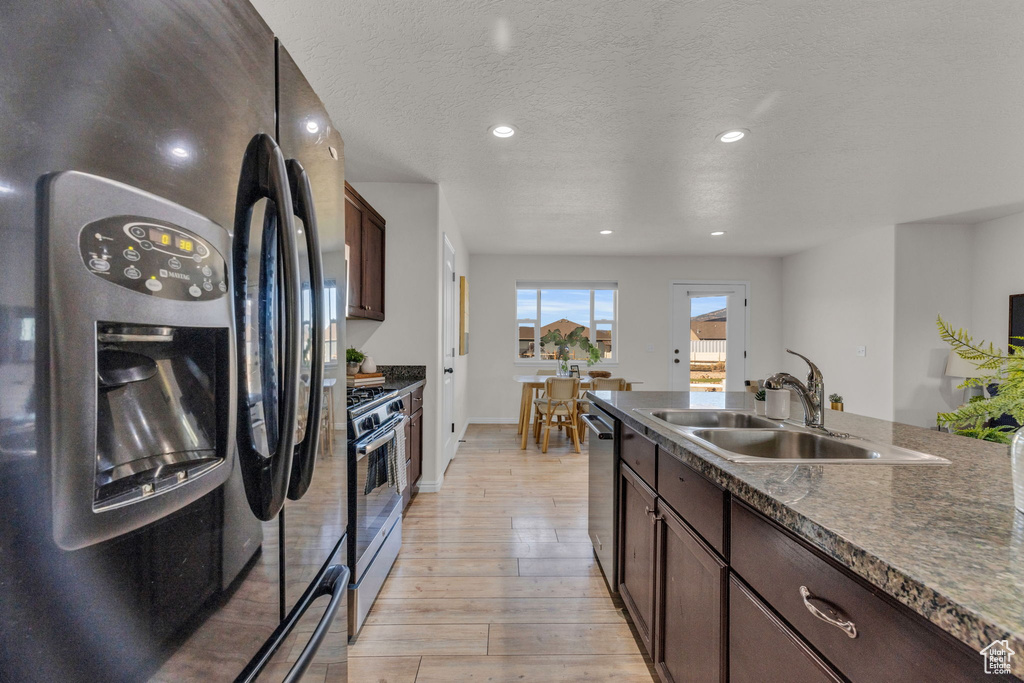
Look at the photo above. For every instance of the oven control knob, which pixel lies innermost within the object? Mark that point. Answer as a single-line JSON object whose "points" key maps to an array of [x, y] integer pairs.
{"points": [[376, 420], [397, 406], [368, 423]]}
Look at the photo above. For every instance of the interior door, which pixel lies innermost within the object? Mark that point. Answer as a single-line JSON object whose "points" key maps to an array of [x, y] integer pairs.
{"points": [[448, 437], [709, 331]]}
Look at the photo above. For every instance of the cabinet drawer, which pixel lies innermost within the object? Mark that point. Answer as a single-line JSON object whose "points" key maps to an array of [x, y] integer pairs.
{"points": [[764, 650], [891, 643], [701, 503], [639, 453], [416, 401]]}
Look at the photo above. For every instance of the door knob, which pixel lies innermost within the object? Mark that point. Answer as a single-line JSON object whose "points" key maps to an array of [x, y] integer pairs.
{"points": [[449, 370]]}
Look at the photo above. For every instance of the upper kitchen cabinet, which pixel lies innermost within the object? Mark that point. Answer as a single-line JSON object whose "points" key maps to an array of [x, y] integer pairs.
{"points": [[364, 239]]}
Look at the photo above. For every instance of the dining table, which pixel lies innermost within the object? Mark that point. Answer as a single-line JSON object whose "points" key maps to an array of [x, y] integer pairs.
{"points": [[533, 383]]}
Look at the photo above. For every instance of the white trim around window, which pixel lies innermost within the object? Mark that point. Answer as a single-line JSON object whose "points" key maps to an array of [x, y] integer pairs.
{"points": [[593, 323]]}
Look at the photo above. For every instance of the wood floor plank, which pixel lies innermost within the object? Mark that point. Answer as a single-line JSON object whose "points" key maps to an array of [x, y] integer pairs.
{"points": [[495, 611], [381, 670], [419, 587], [388, 640], [560, 639], [421, 535], [553, 521], [572, 566], [461, 567], [510, 549], [496, 578], [549, 669], [573, 535]]}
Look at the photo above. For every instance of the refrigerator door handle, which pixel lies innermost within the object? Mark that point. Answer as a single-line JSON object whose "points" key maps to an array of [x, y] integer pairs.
{"points": [[264, 176], [304, 459], [334, 582]]}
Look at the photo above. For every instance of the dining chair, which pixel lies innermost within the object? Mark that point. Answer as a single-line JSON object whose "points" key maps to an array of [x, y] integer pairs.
{"points": [[559, 403]]}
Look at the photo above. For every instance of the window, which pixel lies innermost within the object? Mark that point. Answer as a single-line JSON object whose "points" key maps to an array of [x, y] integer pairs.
{"points": [[546, 307], [330, 322]]}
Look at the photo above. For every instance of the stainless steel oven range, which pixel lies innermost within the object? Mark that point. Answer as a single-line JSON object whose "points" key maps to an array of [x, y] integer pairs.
{"points": [[375, 425]]}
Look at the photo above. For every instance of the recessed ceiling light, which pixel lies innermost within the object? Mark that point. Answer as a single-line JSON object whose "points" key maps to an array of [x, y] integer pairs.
{"points": [[503, 131], [734, 135], [718, 233], [180, 152], [312, 126], [606, 232]]}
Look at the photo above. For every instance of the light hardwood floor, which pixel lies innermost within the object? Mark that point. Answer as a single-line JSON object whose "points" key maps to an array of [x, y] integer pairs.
{"points": [[497, 580]]}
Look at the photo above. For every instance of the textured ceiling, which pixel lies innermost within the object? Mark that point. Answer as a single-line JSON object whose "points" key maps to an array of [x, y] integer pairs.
{"points": [[862, 113]]}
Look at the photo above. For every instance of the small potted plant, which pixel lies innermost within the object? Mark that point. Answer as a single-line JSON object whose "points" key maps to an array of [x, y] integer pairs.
{"points": [[562, 344], [353, 359], [759, 398], [837, 401]]}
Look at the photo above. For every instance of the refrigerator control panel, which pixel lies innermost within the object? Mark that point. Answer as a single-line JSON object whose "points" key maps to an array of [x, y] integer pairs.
{"points": [[153, 257]]}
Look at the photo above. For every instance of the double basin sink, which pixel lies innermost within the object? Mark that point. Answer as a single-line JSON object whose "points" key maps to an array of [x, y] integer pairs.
{"points": [[743, 437]]}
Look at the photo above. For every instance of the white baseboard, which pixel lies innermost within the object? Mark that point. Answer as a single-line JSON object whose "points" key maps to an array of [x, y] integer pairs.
{"points": [[493, 420], [431, 486]]}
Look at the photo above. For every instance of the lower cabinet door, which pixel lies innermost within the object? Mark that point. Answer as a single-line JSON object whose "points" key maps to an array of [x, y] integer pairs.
{"points": [[637, 519], [690, 632], [762, 649]]}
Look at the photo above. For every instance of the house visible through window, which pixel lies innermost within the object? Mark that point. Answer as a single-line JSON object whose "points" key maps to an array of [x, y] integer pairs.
{"points": [[546, 307]]}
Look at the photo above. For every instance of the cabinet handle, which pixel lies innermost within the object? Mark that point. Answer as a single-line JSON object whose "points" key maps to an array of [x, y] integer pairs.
{"points": [[846, 626]]}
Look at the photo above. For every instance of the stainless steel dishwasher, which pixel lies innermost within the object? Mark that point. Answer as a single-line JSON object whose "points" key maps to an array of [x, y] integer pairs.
{"points": [[603, 491]]}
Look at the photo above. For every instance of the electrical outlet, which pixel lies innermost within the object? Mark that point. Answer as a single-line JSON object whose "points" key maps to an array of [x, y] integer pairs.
{"points": [[862, 351]]}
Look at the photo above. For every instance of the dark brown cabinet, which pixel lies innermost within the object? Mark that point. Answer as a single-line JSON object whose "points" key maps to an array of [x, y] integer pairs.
{"points": [[413, 442], [637, 546], [762, 649], [717, 591], [690, 605], [364, 239], [416, 447]]}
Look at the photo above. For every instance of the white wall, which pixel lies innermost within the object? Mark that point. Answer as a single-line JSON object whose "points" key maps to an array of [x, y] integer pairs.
{"points": [[644, 316], [932, 277], [835, 298], [996, 269], [416, 215]]}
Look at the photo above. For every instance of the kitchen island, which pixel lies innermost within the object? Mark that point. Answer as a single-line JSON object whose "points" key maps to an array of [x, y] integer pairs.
{"points": [[943, 541]]}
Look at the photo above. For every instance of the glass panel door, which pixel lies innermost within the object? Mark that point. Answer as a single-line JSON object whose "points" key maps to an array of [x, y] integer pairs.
{"points": [[709, 337]]}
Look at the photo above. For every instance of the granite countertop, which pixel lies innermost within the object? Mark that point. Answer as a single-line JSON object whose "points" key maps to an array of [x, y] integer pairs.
{"points": [[943, 540], [402, 378], [402, 385]]}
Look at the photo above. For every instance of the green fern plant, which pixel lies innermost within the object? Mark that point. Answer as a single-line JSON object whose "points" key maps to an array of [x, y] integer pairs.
{"points": [[1006, 369], [574, 338]]}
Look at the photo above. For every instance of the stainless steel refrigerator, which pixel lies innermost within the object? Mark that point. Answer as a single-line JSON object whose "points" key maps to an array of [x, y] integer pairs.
{"points": [[172, 230]]}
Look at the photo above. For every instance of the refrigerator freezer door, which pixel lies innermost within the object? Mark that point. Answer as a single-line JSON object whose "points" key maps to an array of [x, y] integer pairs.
{"points": [[319, 518], [164, 97]]}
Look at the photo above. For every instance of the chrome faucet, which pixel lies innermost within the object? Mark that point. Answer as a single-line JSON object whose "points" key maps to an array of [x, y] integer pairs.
{"points": [[811, 395]]}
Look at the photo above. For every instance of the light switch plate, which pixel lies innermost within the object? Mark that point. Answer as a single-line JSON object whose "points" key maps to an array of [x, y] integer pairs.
{"points": [[862, 351]]}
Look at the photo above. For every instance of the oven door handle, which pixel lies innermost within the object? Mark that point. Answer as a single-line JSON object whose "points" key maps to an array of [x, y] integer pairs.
{"points": [[334, 582], [376, 442]]}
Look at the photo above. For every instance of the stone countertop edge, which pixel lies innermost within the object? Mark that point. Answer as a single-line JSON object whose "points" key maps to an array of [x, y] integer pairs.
{"points": [[403, 386], [970, 626]]}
